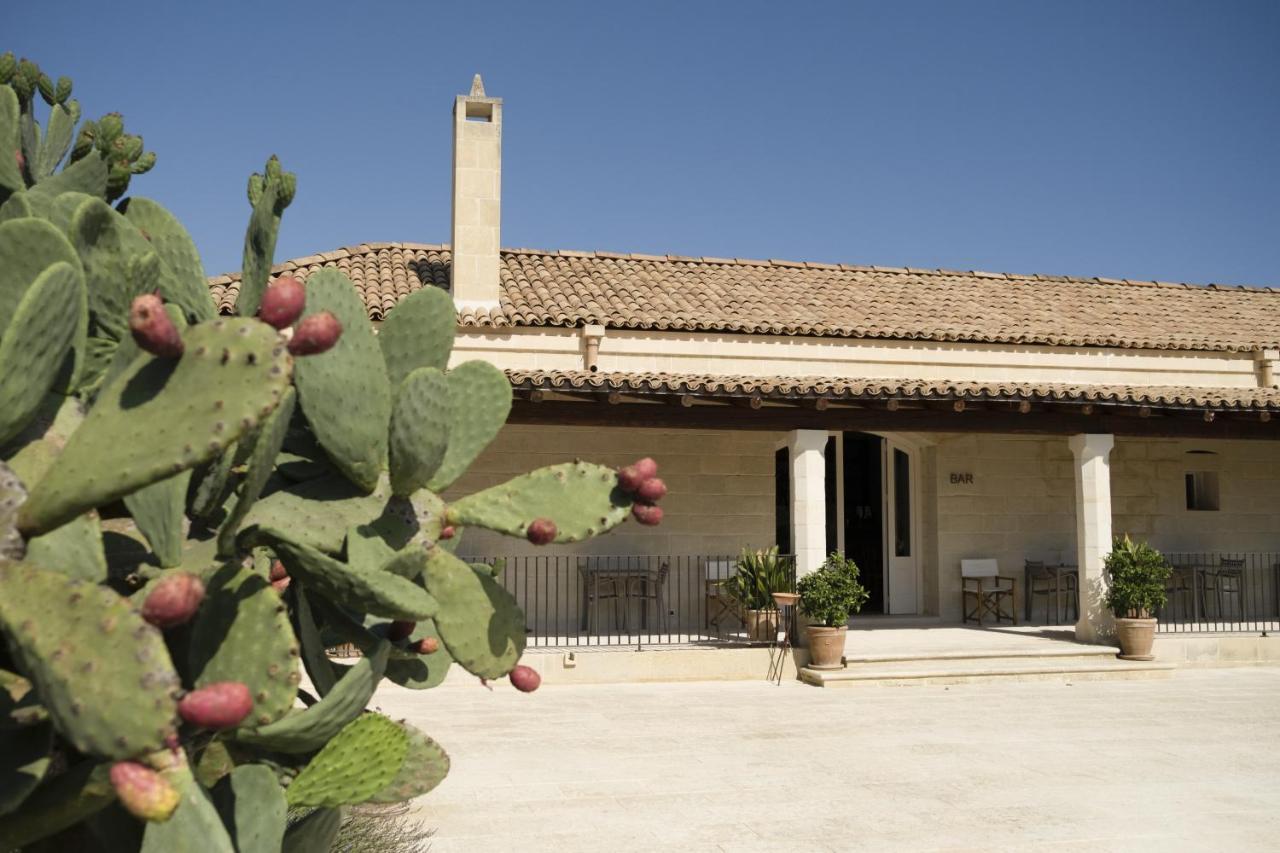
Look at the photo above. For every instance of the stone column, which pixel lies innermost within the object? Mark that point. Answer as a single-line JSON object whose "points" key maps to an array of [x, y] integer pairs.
{"points": [[1093, 531], [808, 498]]}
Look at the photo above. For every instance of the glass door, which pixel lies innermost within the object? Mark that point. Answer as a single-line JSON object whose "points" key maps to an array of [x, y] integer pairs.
{"points": [[903, 575]]}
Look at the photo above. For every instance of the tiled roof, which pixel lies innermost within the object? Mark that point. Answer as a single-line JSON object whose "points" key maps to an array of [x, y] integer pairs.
{"points": [[836, 388], [541, 288]]}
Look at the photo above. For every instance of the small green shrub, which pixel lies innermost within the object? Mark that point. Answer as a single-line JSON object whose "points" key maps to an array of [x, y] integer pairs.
{"points": [[830, 595], [1136, 575], [760, 574]]}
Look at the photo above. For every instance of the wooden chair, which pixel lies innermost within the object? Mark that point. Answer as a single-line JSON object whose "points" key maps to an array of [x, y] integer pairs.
{"points": [[1044, 581], [981, 581], [719, 607], [646, 588], [1227, 580]]}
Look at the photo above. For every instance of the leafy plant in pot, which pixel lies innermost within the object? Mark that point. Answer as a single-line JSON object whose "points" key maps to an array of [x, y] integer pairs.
{"points": [[759, 575], [828, 597], [1136, 576]]}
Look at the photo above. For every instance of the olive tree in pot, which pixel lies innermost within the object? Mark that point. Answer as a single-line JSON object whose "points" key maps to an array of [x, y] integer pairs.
{"points": [[1136, 575], [759, 574], [828, 597]]}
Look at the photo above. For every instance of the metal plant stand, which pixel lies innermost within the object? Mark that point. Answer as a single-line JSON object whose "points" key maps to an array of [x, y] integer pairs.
{"points": [[778, 657]]}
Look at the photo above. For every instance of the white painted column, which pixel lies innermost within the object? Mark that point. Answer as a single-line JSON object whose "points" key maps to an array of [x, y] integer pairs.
{"points": [[808, 498], [1093, 531]]}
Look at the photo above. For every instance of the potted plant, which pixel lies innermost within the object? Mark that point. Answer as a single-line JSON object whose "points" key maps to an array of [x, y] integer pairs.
{"points": [[828, 597], [759, 575], [1136, 576]]}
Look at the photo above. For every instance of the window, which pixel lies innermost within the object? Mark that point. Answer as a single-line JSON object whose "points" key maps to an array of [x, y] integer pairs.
{"points": [[782, 499], [1202, 490]]}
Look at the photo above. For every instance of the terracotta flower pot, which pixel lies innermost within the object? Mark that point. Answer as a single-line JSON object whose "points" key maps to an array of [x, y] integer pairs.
{"points": [[761, 624], [826, 647], [1136, 638]]}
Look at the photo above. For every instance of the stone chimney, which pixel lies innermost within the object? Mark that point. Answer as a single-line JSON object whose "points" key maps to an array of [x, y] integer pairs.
{"points": [[477, 198]]}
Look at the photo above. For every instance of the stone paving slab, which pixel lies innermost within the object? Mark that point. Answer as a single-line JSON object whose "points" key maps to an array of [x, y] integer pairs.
{"points": [[1191, 763]]}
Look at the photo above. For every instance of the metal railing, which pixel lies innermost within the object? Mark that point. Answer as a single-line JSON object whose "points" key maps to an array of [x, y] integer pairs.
{"points": [[631, 600], [1222, 592]]}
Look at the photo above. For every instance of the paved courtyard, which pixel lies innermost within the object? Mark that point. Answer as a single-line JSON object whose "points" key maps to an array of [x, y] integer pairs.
{"points": [[1190, 763]]}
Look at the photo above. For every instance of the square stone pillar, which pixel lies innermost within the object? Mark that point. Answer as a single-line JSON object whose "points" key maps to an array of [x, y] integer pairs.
{"points": [[1093, 531], [808, 498]]}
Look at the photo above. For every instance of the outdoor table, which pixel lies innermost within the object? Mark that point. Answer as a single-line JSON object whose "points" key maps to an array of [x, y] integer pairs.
{"points": [[593, 575], [1059, 588]]}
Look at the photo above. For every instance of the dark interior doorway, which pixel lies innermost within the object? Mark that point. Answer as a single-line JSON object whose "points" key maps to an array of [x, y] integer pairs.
{"points": [[863, 513]]}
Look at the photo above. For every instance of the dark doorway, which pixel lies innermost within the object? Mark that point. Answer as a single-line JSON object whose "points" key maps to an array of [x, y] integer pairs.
{"points": [[863, 513]]}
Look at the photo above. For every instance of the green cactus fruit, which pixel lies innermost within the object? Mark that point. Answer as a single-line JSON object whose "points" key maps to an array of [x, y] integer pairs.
{"points": [[142, 791], [242, 633], [194, 827], [421, 672], [311, 729], [318, 512], [418, 332], [369, 590], [581, 499], [57, 140], [160, 417], [252, 805], [266, 444], [185, 284], [62, 90], [315, 832], [44, 84], [109, 128], [24, 761], [103, 673], [479, 621], [12, 495], [84, 141], [8, 65], [354, 765], [144, 163], [480, 400], [132, 148], [344, 392], [22, 85], [10, 141], [57, 804], [75, 549], [419, 434], [159, 511], [257, 184]]}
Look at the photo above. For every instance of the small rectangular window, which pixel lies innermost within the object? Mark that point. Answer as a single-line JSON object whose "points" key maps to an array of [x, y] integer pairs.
{"points": [[1202, 490], [782, 499]]}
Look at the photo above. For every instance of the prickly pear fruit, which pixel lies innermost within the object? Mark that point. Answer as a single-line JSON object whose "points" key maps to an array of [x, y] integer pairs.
{"points": [[525, 678], [448, 532], [652, 490], [426, 646], [315, 334], [282, 302], [217, 706], [647, 467], [173, 600], [400, 630], [541, 531], [279, 577], [647, 513], [144, 792], [632, 477], [22, 161], [153, 328]]}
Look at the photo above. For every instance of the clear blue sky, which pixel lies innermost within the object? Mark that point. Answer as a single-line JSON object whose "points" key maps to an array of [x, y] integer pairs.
{"points": [[1117, 138]]}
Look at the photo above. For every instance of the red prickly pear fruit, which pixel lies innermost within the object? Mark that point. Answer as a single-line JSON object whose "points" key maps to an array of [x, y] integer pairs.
{"points": [[629, 479], [541, 531], [278, 572], [282, 303], [525, 678], [221, 705], [22, 161], [652, 490], [144, 792], [426, 646], [647, 514], [400, 630], [173, 600], [153, 328], [448, 532], [315, 334], [647, 468]]}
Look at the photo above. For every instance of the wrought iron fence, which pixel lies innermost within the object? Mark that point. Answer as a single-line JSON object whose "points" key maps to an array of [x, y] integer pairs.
{"points": [[1222, 592], [632, 600]]}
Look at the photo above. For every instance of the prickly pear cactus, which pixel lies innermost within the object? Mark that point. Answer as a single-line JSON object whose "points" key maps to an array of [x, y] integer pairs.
{"points": [[192, 507]]}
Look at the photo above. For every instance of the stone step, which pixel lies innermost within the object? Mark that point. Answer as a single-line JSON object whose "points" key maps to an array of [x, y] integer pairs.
{"points": [[1068, 651], [962, 670]]}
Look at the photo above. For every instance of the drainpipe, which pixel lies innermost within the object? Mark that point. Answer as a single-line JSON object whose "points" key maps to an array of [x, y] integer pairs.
{"points": [[1264, 361], [591, 335]]}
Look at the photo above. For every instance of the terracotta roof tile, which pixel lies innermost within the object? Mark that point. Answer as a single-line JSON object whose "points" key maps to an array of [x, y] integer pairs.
{"points": [[541, 288]]}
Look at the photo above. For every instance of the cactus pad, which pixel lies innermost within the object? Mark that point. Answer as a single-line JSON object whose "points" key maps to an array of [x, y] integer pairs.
{"points": [[252, 806], [12, 494], [62, 801], [479, 621], [425, 766], [158, 418], [583, 500], [102, 672], [419, 435], [344, 392], [356, 764], [111, 249], [24, 759], [259, 244], [10, 139], [28, 247], [418, 332], [314, 833], [158, 511], [369, 590], [311, 729], [266, 445], [242, 633], [185, 284], [317, 513], [480, 400], [421, 672], [194, 827], [75, 549]]}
